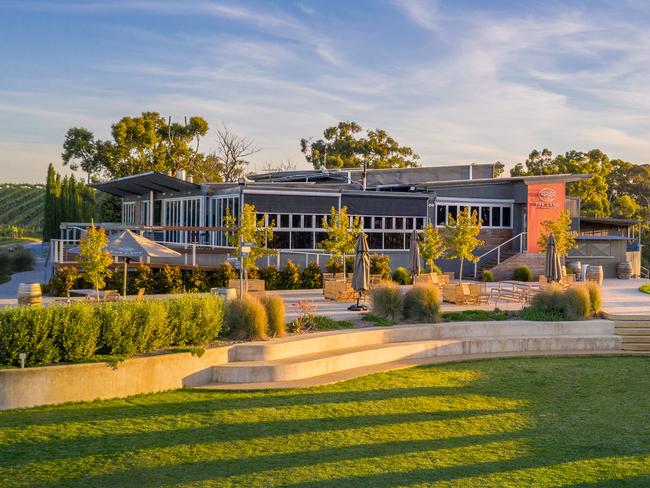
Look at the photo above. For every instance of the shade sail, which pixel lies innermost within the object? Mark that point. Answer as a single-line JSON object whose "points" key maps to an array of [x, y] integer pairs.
{"points": [[414, 254], [361, 278], [552, 264], [131, 245]]}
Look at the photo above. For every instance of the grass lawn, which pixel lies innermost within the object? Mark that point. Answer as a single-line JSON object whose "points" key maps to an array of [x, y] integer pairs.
{"points": [[509, 422], [17, 241]]}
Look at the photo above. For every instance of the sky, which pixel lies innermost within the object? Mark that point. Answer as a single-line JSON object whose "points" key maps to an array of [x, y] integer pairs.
{"points": [[458, 81]]}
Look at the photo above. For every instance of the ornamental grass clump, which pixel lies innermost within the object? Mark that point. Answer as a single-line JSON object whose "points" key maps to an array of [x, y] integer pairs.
{"points": [[422, 304], [247, 319], [275, 313], [387, 301], [576, 303], [595, 296], [402, 276]]}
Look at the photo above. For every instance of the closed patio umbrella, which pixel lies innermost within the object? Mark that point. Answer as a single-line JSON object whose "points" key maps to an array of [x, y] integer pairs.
{"points": [[414, 255], [129, 245], [552, 264], [361, 278]]}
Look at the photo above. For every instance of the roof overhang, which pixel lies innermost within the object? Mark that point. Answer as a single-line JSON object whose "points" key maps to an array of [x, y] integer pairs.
{"points": [[566, 178], [142, 184], [610, 221]]}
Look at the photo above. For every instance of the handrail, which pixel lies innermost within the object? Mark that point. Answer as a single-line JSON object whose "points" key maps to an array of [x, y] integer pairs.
{"points": [[645, 272], [519, 236]]}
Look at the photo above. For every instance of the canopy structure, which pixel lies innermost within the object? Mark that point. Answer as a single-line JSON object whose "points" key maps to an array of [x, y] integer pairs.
{"points": [[552, 264], [144, 183], [130, 245], [414, 255], [361, 277]]}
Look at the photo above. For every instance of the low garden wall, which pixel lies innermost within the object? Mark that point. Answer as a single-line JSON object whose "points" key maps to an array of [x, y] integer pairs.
{"points": [[45, 385]]}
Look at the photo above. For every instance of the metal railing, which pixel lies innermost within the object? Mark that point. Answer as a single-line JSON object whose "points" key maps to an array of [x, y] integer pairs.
{"points": [[645, 272], [520, 237]]}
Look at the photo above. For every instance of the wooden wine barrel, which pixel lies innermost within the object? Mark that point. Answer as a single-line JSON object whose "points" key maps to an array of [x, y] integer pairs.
{"points": [[595, 273], [576, 266], [624, 270], [29, 294]]}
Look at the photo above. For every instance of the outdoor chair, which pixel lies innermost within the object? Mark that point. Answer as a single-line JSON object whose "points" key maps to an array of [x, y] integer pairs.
{"points": [[140, 295], [328, 276], [375, 280], [111, 296], [477, 294], [450, 277]]}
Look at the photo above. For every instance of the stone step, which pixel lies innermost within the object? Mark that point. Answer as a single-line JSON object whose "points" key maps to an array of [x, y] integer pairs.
{"points": [[619, 317], [635, 339], [623, 324], [636, 346], [327, 362], [632, 331]]}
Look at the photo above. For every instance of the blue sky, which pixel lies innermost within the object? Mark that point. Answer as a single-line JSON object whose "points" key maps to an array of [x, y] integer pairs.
{"points": [[459, 81]]}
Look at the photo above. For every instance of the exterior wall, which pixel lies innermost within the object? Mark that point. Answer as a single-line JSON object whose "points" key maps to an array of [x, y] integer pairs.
{"points": [[605, 252], [545, 202]]}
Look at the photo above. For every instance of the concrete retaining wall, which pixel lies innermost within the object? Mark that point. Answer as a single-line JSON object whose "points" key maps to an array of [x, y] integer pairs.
{"points": [[91, 381]]}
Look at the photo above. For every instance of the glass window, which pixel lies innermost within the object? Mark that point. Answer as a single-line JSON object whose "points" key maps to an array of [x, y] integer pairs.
{"points": [[441, 215], [419, 223], [464, 208], [393, 240], [375, 240], [280, 240], [475, 210], [367, 222], [308, 221], [452, 210], [260, 216], [485, 216], [379, 222], [399, 223], [296, 221], [284, 220], [388, 222], [302, 240], [496, 216], [506, 220], [408, 223], [320, 237]]}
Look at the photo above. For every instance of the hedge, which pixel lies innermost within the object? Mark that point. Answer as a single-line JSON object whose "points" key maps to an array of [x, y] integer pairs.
{"points": [[79, 331]]}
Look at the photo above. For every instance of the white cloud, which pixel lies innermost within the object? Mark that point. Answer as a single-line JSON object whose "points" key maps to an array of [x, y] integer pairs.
{"points": [[423, 13]]}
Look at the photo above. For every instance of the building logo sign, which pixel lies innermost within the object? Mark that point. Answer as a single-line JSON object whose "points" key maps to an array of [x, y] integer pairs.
{"points": [[547, 195]]}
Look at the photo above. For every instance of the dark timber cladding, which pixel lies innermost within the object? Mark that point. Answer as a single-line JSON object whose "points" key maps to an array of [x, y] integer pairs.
{"points": [[385, 204], [295, 202]]}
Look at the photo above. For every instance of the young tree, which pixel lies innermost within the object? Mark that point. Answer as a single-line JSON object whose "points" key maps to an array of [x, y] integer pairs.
{"points": [[341, 234], [561, 228], [52, 195], [94, 260], [432, 246], [462, 238], [251, 230]]}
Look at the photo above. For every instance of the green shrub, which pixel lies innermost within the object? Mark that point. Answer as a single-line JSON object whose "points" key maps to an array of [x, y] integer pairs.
{"points": [[334, 265], [436, 269], [537, 314], [387, 301], [22, 260], [422, 304], [523, 273], [28, 330], [196, 281], [311, 277], [595, 296], [271, 277], [153, 329], [223, 274], [246, 319], [645, 288], [349, 264], [118, 329], [195, 319], [275, 313], [170, 279], [487, 275], [77, 327], [290, 276], [116, 281], [576, 303], [326, 323], [62, 281], [402, 276], [474, 315], [380, 265], [144, 278], [5, 263]]}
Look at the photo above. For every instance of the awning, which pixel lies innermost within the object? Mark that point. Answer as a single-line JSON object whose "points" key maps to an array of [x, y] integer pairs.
{"points": [[144, 183]]}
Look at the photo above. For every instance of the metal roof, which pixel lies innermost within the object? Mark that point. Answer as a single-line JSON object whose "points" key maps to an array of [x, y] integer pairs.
{"points": [[567, 178], [142, 184], [609, 221]]}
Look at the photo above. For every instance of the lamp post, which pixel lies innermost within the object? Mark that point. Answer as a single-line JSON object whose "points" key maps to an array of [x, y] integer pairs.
{"points": [[242, 183]]}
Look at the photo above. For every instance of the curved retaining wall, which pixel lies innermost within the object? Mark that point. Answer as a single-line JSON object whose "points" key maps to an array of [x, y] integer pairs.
{"points": [[90, 381]]}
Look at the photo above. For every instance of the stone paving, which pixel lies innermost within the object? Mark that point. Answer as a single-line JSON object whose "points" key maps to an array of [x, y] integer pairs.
{"points": [[622, 297]]}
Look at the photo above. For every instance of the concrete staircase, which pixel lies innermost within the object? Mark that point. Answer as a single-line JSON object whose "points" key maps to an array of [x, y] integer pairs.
{"points": [[330, 356], [506, 269], [634, 331]]}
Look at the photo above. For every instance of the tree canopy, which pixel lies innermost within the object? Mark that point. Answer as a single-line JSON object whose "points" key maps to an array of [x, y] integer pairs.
{"points": [[343, 146], [149, 142]]}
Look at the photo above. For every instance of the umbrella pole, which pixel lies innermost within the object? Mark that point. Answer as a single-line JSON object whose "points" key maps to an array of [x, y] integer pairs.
{"points": [[126, 263]]}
